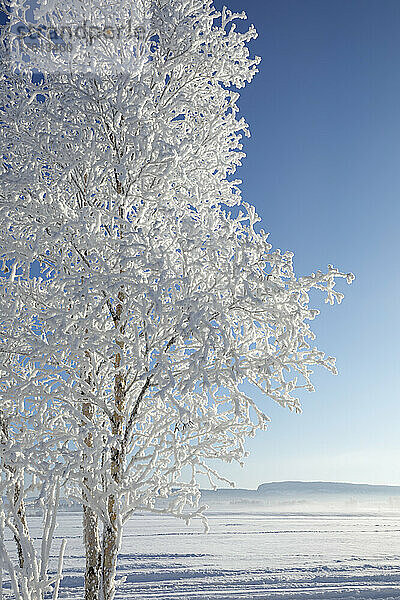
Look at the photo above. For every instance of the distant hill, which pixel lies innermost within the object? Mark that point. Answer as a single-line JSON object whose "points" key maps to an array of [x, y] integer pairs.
{"points": [[288, 495], [326, 487]]}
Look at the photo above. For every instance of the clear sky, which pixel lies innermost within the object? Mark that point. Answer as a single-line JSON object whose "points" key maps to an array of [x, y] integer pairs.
{"points": [[323, 170]]}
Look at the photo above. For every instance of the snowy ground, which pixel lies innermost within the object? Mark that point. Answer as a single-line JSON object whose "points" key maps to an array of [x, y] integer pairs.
{"points": [[250, 555]]}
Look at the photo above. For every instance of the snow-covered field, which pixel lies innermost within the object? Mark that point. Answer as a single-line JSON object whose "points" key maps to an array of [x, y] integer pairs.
{"points": [[250, 555]]}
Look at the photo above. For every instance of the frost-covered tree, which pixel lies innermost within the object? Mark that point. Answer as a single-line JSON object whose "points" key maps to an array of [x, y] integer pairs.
{"points": [[30, 477], [140, 295]]}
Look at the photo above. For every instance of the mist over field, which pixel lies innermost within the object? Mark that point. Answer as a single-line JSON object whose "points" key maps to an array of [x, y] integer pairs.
{"points": [[306, 496], [293, 496]]}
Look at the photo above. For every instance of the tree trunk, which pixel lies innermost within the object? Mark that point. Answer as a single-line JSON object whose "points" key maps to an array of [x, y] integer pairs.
{"points": [[111, 531], [110, 555], [90, 531], [20, 522], [16, 499], [93, 554]]}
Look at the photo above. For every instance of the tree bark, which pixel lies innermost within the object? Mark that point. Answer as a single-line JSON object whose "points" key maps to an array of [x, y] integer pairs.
{"points": [[90, 531], [110, 554], [17, 499], [111, 531], [92, 551], [20, 522]]}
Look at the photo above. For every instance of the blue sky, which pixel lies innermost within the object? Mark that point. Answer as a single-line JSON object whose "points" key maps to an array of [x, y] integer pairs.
{"points": [[322, 168]]}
